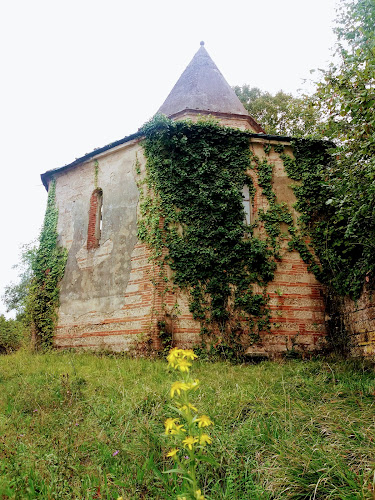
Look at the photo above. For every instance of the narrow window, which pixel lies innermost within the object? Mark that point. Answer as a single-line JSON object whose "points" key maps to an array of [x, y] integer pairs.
{"points": [[95, 219], [246, 204]]}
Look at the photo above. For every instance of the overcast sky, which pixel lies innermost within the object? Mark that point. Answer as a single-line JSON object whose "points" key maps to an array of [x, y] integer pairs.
{"points": [[76, 75]]}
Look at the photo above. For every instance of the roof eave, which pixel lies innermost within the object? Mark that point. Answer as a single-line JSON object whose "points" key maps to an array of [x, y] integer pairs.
{"points": [[46, 176], [254, 124]]}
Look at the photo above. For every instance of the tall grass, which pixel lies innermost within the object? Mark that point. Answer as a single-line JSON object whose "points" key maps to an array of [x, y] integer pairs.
{"points": [[83, 426]]}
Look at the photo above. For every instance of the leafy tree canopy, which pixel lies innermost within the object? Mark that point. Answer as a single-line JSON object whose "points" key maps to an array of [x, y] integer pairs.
{"points": [[346, 98], [15, 294], [280, 114]]}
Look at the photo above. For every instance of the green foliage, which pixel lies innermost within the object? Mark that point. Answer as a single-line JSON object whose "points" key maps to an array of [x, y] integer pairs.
{"points": [[276, 213], [11, 334], [282, 113], [47, 270], [77, 426], [195, 176], [335, 185], [15, 294], [345, 257], [346, 96]]}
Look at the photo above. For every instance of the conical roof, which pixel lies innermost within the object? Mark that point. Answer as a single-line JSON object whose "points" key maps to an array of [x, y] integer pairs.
{"points": [[202, 87]]}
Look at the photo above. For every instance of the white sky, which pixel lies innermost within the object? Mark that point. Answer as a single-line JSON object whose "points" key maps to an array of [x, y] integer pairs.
{"points": [[76, 75]]}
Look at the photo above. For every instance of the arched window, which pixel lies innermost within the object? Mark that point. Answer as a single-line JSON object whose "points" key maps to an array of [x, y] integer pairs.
{"points": [[95, 219]]}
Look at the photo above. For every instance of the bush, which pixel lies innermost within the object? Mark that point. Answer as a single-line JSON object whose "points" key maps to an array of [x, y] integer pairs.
{"points": [[11, 333]]}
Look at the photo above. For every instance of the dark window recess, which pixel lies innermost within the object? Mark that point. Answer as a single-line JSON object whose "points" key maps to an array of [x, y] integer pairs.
{"points": [[246, 204], [95, 219]]}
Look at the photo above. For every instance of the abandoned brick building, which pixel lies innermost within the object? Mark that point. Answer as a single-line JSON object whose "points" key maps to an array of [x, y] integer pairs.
{"points": [[108, 296]]}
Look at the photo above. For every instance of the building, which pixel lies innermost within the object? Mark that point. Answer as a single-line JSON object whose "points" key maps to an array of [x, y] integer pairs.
{"points": [[109, 296]]}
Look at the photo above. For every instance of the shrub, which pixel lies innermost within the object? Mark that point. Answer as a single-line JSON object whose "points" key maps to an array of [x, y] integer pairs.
{"points": [[11, 333]]}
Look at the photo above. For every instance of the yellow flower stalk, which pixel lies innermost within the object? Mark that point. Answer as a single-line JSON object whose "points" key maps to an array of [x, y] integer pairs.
{"points": [[170, 424], [188, 406], [193, 385], [204, 421], [189, 354], [183, 365], [173, 452], [189, 442], [177, 430], [173, 355], [186, 432], [205, 439], [177, 387]]}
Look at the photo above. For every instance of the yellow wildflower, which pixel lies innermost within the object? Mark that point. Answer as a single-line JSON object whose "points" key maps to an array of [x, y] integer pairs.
{"points": [[189, 406], [173, 356], [205, 439], [177, 429], [181, 498], [120, 498], [183, 365], [178, 387], [189, 442], [193, 385], [170, 424], [204, 421], [189, 354], [198, 495], [172, 452]]}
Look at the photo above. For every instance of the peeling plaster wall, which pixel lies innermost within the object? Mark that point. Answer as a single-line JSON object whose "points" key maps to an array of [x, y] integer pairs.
{"points": [[95, 281]]}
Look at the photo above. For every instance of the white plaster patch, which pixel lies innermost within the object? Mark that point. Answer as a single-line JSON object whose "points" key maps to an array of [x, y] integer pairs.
{"points": [[91, 258]]}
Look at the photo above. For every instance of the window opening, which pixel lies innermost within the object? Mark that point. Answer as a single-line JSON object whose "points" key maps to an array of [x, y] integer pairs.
{"points": [[246, 204], [101, 218], [95, 219]]}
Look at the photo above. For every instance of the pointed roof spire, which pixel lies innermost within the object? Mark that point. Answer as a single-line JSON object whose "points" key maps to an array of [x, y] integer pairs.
{"points": [[202, 88]]}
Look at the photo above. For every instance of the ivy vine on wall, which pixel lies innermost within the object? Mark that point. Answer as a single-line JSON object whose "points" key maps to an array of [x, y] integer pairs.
{"points": [[48, 269], [195, 176], [339, 257]]}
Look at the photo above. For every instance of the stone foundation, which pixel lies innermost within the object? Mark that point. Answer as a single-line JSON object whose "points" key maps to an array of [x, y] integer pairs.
{"points": [[359, 321]]}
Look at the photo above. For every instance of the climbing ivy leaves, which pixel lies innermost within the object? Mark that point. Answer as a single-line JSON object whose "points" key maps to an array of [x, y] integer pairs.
{"points": [[195, 176], [48, 269], [346, 257]]}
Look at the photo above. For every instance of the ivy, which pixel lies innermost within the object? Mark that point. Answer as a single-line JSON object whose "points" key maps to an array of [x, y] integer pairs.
{"points": [[192, 218], [340, 258], [48, 269], [276, 213], [195, 176], [264, 170]]}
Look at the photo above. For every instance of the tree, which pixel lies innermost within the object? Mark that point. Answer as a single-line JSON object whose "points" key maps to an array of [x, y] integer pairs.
{"points": [[346, 94], [280, 114], [15, 294], [11, 335], [346, 98]]}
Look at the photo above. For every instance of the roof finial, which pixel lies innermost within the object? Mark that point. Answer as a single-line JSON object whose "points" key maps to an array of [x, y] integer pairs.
{"points": [[202, 43]]}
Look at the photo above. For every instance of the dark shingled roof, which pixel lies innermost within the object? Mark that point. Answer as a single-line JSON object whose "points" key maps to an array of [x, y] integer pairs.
{"points": [[202, 87]]}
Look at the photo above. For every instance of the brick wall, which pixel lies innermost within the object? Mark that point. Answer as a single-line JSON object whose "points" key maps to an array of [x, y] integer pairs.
{"points": [[359, 321], [135, 312]]}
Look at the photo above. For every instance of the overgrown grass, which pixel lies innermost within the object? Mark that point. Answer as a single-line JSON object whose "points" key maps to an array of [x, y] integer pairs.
{"points": [[81, 426]]}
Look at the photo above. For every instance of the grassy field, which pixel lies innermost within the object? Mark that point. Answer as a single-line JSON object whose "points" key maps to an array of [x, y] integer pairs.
{"points": [[83, 426]]}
